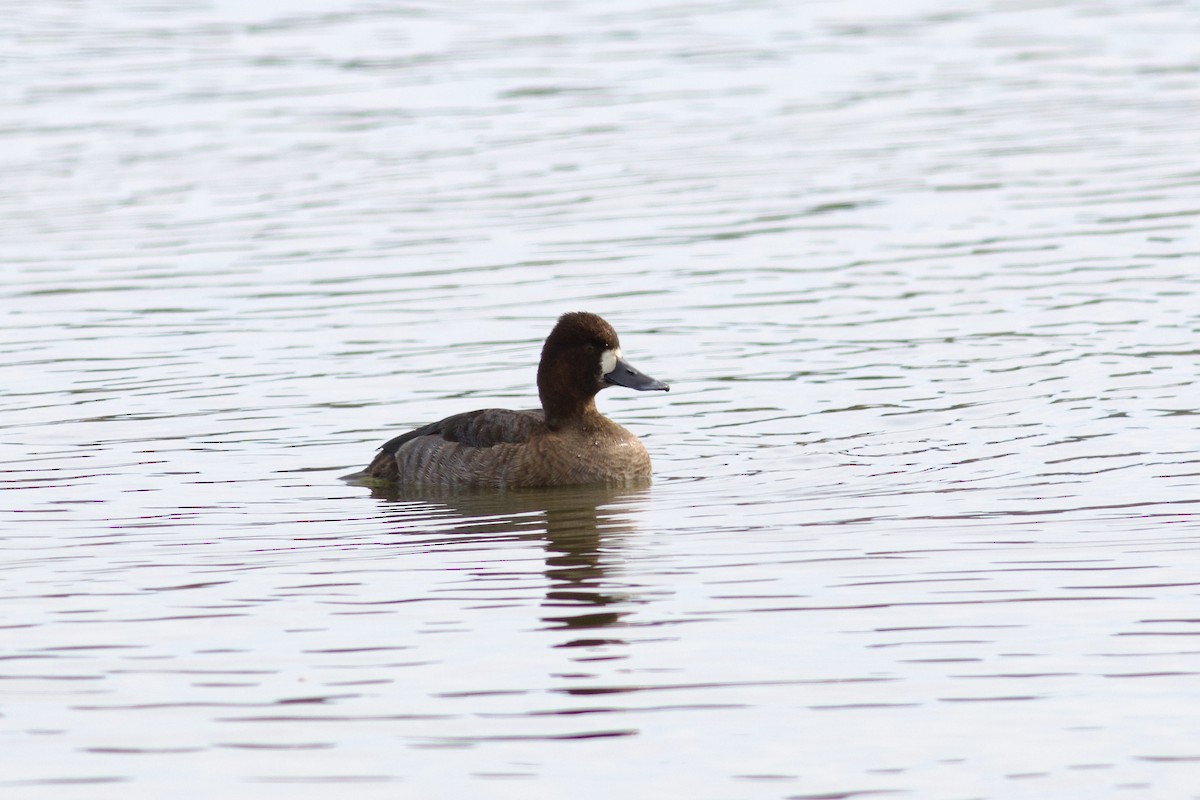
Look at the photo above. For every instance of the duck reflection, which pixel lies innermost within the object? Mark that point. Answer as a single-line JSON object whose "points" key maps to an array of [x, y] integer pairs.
{"points": [[579, 526]]}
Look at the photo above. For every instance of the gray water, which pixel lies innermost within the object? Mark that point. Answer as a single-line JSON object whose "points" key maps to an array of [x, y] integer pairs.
{"points": [[922, 275]]}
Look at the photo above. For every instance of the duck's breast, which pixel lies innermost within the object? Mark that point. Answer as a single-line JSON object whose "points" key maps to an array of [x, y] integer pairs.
{"points": [[609, 454]]}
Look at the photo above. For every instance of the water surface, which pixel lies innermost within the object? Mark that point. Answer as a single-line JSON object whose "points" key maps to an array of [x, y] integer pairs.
{"points": [[921, 275]]}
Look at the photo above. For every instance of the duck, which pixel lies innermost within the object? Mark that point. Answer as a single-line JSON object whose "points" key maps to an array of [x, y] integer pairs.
{"points": [[566, 442]]}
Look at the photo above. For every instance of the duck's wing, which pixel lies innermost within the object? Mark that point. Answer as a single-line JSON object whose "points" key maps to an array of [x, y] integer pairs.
{"points": [[487, 427]]}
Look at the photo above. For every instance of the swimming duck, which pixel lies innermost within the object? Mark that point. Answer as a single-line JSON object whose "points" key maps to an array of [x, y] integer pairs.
{"points": [[566, 442]]}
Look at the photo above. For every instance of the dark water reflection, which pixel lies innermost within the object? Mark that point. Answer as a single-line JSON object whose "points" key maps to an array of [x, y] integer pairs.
{"points": [[581, 529]]}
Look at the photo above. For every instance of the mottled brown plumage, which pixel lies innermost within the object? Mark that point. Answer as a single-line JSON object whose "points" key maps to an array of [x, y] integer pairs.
{"points": [[567, 442]]}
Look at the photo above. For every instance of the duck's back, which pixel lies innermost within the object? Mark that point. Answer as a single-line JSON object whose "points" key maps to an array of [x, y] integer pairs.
{"points": [[478, 448], [511, 449]]}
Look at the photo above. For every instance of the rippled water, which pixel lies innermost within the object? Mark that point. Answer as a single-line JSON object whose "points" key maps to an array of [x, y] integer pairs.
{"points": [[922, 276]]}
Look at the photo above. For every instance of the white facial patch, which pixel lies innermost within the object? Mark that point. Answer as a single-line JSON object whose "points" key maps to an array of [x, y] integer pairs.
{"points": [[608, 360]]}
